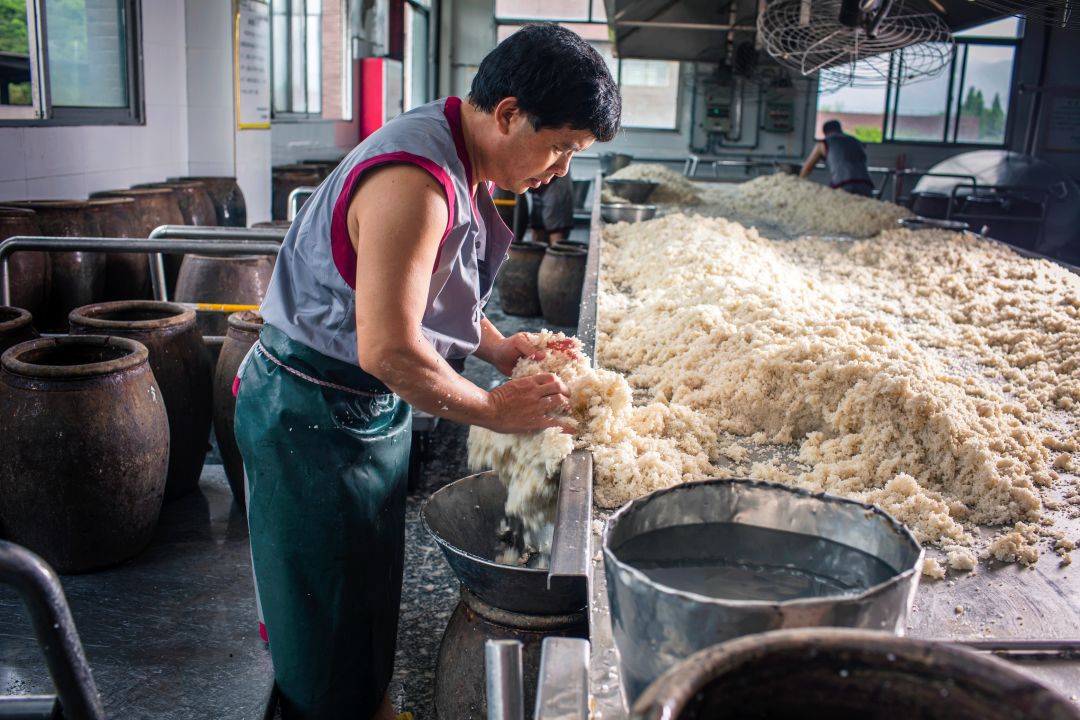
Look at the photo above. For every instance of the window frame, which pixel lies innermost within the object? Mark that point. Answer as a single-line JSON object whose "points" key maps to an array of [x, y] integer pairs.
{"points": [[44, 113], [954, 96], [591, 20], [292, 116]]}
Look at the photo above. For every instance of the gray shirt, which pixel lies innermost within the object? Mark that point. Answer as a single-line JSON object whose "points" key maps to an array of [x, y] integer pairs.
{"points": [[846, 160], [312, 297]]}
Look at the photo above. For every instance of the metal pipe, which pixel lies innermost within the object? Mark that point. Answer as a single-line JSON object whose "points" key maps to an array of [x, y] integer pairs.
{"points": [[570, 545], [40, 590], [505, 695], [295, 202], [30, 707], [562, 690], [666, 25], [248, 243]]}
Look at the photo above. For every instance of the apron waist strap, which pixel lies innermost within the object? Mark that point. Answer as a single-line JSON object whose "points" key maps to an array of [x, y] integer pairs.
{"points": [[259, 348]]}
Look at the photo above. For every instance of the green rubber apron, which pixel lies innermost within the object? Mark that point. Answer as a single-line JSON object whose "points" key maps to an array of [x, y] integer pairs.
{"points": [[326, 454]]}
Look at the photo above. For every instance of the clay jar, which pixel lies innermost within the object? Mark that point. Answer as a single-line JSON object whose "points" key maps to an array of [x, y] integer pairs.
{"points": [[127, 275], [77, 278], [87, 444], [243, 331], [154, 207], [16, 326], [193, 199], [242, 279], [227, 198], [28, 272], [516, 282], [287, 178], [561, 276], [180, 363]]}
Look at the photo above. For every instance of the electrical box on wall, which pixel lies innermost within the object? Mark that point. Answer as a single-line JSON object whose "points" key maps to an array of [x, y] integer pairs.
{"points": [[716, 117], [779, 116]]}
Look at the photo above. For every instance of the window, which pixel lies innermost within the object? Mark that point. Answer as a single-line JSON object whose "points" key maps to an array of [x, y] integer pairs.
{"points": [[311, 70], [417, 82], [968, 103], [69, 61], [649, 88]]}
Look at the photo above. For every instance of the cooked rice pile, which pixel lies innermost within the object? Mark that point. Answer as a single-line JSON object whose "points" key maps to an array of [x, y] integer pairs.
{"points": [[801, 207], [673, 187], [931, 374], [659, 439]]}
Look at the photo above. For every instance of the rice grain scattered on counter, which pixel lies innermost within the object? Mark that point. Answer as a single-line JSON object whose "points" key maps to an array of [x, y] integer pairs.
{"points": [[931, 374], [673, 187], [801, 207]]}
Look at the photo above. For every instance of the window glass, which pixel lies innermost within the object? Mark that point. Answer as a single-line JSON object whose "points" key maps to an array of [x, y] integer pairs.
{"points": [[279, 39], [312, 58], [416, 57], [87, 53], [920, 108], [542, 9], [14, 54], [650, 93], [599, 13], [984, 95], [1010, 27], [861, 111]]}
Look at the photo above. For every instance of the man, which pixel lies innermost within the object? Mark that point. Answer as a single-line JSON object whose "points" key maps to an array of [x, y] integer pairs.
{"points": [[553, 210], [844, 157], [377, 297]]}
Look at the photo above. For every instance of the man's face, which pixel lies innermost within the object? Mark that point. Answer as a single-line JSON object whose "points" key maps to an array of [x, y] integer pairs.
{"points": [[530, 158]]}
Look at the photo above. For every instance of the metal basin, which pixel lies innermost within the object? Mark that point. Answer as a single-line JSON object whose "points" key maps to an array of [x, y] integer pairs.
{"points": [[614, 162], [464, 518], [832, 542], [844, 674], [636, 191], [581, 191], [626, 212]]}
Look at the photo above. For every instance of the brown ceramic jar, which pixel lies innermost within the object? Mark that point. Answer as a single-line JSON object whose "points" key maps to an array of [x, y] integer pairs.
{"points": [[243, 331], [127, 275], [182, 367], [16, 326], [29, 272], [87, 445]]}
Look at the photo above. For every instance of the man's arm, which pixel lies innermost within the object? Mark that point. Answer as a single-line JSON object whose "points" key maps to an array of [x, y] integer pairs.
{"points": [[397, 218], [816, 154]]}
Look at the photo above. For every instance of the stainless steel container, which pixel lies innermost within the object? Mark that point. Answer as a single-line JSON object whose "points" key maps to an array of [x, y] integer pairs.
{"points": [[627, 212], [635, 191], [655, 626]]}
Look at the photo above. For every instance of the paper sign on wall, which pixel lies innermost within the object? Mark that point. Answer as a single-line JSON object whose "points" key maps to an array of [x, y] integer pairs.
{"points": [[1063, 123], [252, 64]]}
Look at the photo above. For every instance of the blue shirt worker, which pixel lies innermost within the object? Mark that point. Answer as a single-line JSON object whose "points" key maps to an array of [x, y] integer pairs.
{"points": [[845, 158], [377, 298]]}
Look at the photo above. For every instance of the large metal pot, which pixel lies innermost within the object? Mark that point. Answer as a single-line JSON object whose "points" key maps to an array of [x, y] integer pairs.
{"points": [[519, 293], [863, 564], [180, 363], [227, 197], [613, 162], [16, 326], [28, 272], [127, 275], [77, 278], [559, 283], [243, 331], [86, 444], [843, 674]]}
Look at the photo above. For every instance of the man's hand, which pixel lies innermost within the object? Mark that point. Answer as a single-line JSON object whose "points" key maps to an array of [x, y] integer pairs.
{"points": [[505, 353], [530, 403]]}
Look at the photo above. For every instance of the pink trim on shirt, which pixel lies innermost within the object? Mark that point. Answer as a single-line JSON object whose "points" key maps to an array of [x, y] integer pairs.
{"points": [[341, 247], [452, 111]]}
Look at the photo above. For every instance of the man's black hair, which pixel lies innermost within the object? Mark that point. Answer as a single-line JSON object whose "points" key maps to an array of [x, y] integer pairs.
{"points": [[559, 80], [832, 126]]}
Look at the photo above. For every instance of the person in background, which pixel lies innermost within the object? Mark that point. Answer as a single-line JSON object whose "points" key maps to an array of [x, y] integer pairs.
{"points": [[845, 158], [376, 300], [552, 216]]}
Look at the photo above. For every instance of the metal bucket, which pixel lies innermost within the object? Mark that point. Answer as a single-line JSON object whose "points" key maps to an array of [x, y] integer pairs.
{"points": [[614, 162], [844, 674], [655, 625], [464, 518]]}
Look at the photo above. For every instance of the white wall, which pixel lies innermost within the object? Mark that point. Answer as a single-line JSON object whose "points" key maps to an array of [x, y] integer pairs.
{"points": [[216, 145], [72, 162]]}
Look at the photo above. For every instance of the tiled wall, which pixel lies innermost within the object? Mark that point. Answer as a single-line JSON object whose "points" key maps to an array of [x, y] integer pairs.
{"points": [[71, 162]]}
